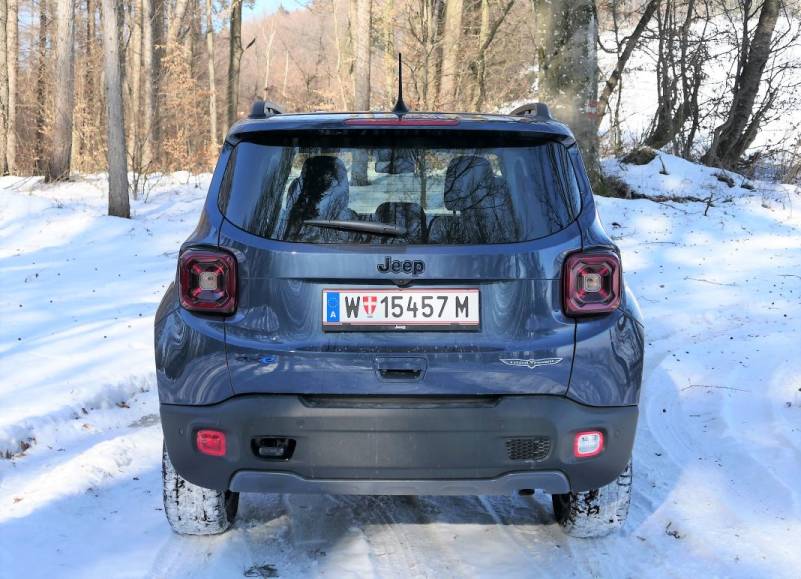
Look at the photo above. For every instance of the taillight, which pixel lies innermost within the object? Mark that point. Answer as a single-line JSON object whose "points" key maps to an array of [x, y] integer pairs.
{"points": [[591, 283], [210, 442], [207, 281]]}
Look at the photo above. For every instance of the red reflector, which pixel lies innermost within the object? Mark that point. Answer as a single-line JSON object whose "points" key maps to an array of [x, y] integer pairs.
{"points": [[210, 442], [587, 444], [591, 283], [207, 281]]}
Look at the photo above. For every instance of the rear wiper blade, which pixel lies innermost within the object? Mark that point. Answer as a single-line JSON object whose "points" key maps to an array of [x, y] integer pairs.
{"points": [[365, 226]]}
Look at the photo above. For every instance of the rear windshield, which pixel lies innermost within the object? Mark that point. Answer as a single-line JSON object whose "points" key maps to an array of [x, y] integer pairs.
{"points": [[422, 190]]}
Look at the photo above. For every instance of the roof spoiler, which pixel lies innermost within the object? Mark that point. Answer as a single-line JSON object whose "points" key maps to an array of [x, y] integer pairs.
{"points": [[538, 111], [263, 109]]}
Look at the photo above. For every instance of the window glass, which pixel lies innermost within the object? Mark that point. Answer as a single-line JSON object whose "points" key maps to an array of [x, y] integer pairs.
{"points": [[430, 191]]}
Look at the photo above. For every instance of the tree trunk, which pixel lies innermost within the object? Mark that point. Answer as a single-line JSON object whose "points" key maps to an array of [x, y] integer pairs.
{"points": [[631, 43], [176, 21], [344, 48], [451, 40], [486, 35], [118, 204], [431, 24], [364, 15], [41, 91], [3, 86], [148, 83], [568, 69], [86, 142], [481, 60], [390, 58], [234, 60], [728, 143], [135, 133], [12, 42], [157, 22], [213, 135], [266, 95], [64, 94], [286, 75]]}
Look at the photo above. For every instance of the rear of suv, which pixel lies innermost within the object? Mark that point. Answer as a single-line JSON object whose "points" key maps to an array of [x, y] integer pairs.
{"points": [[399, 304]]}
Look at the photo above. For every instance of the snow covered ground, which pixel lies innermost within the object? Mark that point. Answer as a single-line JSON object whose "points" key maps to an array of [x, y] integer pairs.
{"points": [[717, 458]]}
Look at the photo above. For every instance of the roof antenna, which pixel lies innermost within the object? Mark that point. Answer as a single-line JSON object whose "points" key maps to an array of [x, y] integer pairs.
{"points": [[400, 108]]}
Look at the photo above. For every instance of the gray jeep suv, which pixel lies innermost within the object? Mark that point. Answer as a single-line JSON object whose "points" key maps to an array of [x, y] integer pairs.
{"points": [[390, 303]]}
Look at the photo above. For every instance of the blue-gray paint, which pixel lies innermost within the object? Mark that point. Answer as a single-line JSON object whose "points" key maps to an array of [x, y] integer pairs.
{"points": [[274, 343]]}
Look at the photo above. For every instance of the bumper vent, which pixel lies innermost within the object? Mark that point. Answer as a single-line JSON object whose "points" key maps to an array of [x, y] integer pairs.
{"points": [[536, 448]]}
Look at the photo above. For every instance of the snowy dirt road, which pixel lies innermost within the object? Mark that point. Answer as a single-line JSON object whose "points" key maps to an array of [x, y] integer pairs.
{"points": [[717, 457]]}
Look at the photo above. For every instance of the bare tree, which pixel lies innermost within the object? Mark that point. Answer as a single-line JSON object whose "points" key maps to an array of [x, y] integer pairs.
{"points": [[135, 134], [673, 72], [12, 42], [3, 86], [614, 78], [176, 21], [234, 60], [364, 15], [425, 23], [148, 82], [170, 58], [118, 204], [486, 35], [568, 68], [267, 62], [734, 136], [158, 34], [41, 90], [389, 51], [58, 167], [343, 43], [213, 135], [451, 41]]}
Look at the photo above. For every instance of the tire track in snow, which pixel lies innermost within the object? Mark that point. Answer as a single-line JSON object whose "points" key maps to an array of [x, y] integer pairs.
{"points": [[56, 427]]}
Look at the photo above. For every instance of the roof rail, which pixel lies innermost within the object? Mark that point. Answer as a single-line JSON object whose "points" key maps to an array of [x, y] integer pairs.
{"points": [[536, 110], [263, 109]]}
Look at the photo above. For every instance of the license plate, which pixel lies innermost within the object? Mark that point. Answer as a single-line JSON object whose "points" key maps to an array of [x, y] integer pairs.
{"points": [[353, 310]]}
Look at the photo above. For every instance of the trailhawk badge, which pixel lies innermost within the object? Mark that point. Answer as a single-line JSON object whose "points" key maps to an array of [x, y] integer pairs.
{"points": [[531, 363]]}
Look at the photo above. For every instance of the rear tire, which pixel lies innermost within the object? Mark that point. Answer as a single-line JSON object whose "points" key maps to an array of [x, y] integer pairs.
{"points": [[194, 510], [597, 512]]}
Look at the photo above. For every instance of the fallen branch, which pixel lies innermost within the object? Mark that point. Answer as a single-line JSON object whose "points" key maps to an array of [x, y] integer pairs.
{"points": [[663, 198]]}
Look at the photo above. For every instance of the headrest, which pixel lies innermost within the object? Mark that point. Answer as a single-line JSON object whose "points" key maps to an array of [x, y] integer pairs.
{"points": [[322, 167], [322, 188], [394, 161]]}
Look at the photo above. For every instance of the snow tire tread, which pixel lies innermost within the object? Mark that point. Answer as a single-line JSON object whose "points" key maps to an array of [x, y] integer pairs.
{"points": [[194, 510], [597, 512]]}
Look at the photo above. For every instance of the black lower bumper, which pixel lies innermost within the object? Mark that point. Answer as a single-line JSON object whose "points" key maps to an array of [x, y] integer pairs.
{"points": [[376, 445]]}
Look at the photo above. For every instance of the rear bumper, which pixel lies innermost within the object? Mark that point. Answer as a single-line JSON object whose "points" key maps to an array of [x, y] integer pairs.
{"points": [[401, 445]]}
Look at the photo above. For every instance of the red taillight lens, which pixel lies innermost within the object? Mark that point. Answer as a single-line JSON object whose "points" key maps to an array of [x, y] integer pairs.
{"points": [[587, 444], [207, 281], [591, 283], [210, 442]]}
